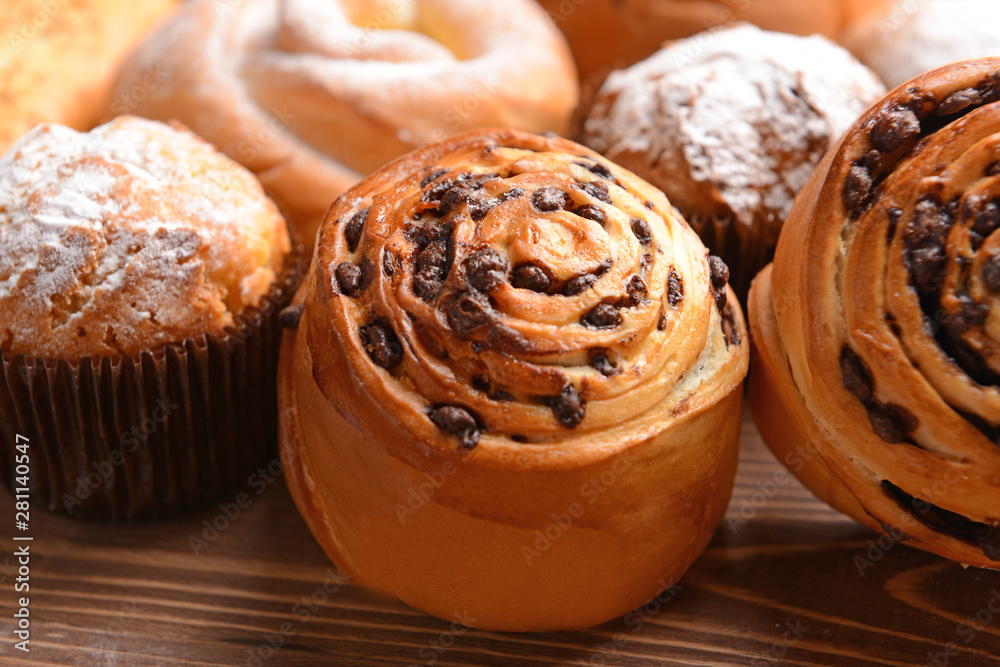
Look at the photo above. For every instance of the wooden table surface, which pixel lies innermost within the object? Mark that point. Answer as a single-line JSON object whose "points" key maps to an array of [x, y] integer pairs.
{"points": [[785, 581]]}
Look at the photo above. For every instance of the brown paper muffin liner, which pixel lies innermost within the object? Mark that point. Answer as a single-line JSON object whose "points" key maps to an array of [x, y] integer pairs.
{"points": [[745, 249], [151, 436]]}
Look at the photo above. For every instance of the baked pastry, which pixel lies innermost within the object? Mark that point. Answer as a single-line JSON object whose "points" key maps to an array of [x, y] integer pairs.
{"points": [[515, 386], [58, 59], [876, 328], [730, 125], [313, 96], [142, 274], [610, 34], [914, 37]]}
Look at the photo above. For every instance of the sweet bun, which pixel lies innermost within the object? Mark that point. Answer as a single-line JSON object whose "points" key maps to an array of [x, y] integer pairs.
{"points": [[915, 37], [730, 125], [877, 330], [312, 97], [141, 277], [610, 34], [514, 390], [58, 59]]}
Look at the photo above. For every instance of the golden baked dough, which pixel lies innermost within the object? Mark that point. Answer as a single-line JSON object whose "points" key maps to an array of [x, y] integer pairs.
{"points": [[515, 389], [608, 34], [313, 96], [130, 236], [58, 59], [878, 328]]}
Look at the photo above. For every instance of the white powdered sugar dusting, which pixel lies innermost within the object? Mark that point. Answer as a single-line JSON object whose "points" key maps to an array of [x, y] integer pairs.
{"points": [[122, 237], [731, 123]]}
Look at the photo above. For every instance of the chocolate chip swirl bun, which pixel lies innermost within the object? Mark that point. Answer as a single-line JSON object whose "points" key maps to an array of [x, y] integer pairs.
{"points": [[313, 96], [878, 326], [514, 386]]}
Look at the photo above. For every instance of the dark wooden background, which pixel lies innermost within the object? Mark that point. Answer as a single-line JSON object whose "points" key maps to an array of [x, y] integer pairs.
{"points": [[779, 585]]}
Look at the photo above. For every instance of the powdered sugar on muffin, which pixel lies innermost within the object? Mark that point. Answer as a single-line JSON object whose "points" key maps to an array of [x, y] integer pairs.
{"points": [[128, 237], [729, 124]]}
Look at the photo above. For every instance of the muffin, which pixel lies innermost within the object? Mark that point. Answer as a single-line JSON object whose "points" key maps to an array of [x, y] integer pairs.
{"points": [[141, 273], [729, 125], [915, 37], [313, 96], [502, 319]]}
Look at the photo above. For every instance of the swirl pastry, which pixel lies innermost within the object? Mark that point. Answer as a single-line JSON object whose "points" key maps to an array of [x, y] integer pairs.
{"points": [[878, 326], [312, 96], [514, 389]]}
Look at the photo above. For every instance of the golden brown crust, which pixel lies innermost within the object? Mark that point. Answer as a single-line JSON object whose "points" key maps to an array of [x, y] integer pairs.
{"points": [[609, 34], [128, 237], [58, 58], [876, 327], [617, 365], [311, 111]]}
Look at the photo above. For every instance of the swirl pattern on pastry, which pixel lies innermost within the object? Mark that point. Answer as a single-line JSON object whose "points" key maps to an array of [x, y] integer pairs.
{"points": [[525, 282], [881, 319], [312, 96], [515, 317]]}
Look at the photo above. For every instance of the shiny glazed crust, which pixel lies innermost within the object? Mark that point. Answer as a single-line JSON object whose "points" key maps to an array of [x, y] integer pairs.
{"points": [[58, 59], [538, 457], [877, 328], [313, 96]]}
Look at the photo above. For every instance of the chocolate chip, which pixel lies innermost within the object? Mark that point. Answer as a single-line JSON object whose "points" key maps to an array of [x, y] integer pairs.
{"points": [[568, 407], [991, 274], [290, 316], [596, 168], [970, 314], [857, 187], [579, 284], [718, 271], [602, 316], [479, 205], [591, 212], [675, 287], [958, 101], [596, 189], [381, 343], [993, 169], [894, 129], [348, 278], [895, 215], [433, 176], [636, 290], [458, 422], [600, 362], [648, 204], [486, 269], [661, 324], [549, 199], [987, 219], [531, 277], [642, 231], [721, 298], [856, 377], [388, 262], [468, 311], [354, 228], [924, 239], [432, 269], [513, 193], [730, 329], [884, 424]]}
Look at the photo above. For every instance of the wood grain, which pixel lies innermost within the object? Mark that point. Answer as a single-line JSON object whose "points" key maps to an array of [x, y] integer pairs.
{"points": [[785, 582]]}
